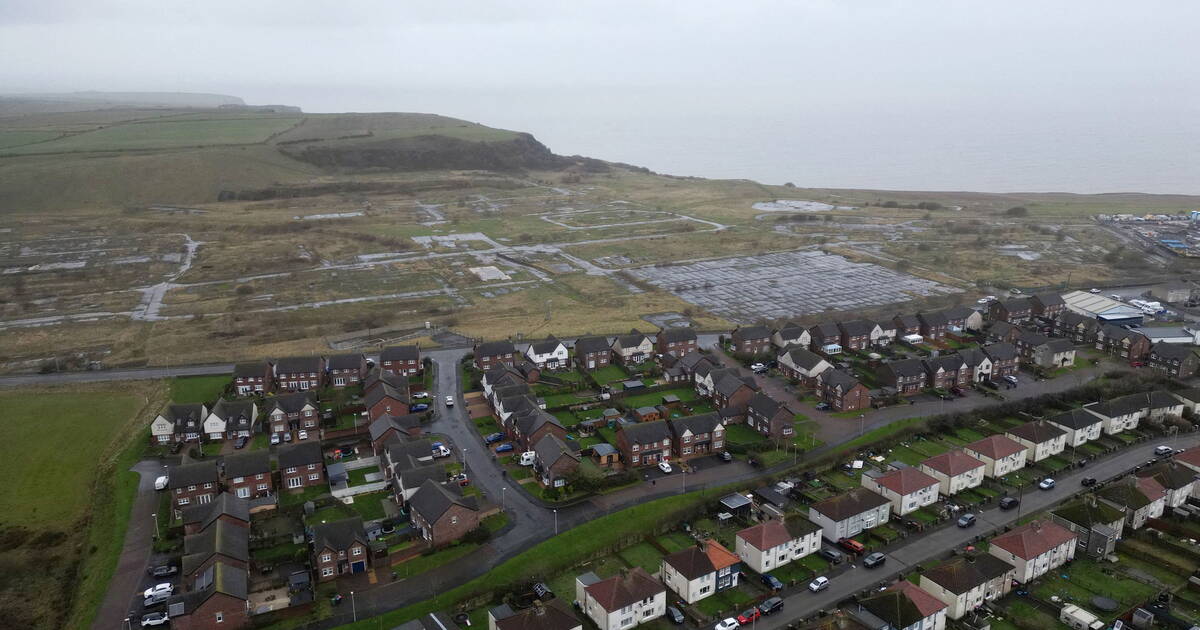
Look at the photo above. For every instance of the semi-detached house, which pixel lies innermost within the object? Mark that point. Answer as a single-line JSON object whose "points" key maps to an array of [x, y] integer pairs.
{"points": [[1140, 498], [622, 601], [902, 606], [231, 419], [776, 542], [1177, 480], [791, 334], [907, 488], [1000, 454], [955, 471], [1034, 549], [645, 443], [850, 514], [1043, 439], [965, 583], [700, 570], [1080, 426]]}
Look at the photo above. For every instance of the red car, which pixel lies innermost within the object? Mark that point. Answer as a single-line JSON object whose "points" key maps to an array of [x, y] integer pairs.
{"points": [[749, 615]]}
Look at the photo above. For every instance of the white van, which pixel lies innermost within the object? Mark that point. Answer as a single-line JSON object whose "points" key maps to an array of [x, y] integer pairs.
{"points": [[527, 458]]}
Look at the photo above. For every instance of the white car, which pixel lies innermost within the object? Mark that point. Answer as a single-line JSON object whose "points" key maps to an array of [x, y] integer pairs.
{"points": [[982, 301], [275, 439], [665, 467], [726, 624], [819, 584], [155, 619], [161, 482], [1011, 379], [162, 587], [449, 401], [419, 395], [758, 367], [1163, 450], [1046, 484], [1093, 290], [990, 298], [303, 435]]}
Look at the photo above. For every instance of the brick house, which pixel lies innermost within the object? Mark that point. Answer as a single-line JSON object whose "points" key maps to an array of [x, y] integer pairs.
{"points": [[791, 334], [218, 600], [226, 507], [338, 548], [385, 400], [906, 376], [1012, 310], [1047, 305], [527, 429], [907, 325], [1004, 359], [1026, 341], [554, 460], [301, 466], [843, 392], [248, 475], [409, 464], [1173, 359], [770, 417], [441, 514], [825, 336], [377, 377], [193, 484], [645, 443], [346, 369], [231, 419], [751, 339], [679, 341], [288, 412], [960, 319], [697, 436], [978, 364], [859, 334], [403, 360], [222, 541], [934, 325], [1122, 342], [592, 353], [799, 364], [633, 348], [178, 423], [946, 371], [492, 353], [1078, 328], [300, 373], [731, 391], [386, 428], [252, 378], [1003, 331]]}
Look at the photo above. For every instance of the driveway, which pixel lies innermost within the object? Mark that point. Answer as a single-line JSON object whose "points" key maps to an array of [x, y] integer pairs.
{"points": [[128, 581]]}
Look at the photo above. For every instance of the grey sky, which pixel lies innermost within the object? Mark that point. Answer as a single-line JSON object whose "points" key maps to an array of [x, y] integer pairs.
{"points": [[503, 62]]}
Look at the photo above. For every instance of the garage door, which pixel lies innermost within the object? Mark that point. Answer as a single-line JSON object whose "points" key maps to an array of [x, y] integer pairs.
{"points": [[358, 567]]}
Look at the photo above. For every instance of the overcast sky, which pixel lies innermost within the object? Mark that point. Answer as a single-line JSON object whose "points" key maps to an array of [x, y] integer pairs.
{"points": [[511, 63]]}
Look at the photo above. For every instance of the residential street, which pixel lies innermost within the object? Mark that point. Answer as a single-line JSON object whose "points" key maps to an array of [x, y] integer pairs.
{"points": [[127, 581]]}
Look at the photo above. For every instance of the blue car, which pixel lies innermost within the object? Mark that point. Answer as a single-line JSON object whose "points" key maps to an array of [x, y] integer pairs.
{"points": [[504, 448], [771, 582], [419, 407], [493, 438]]}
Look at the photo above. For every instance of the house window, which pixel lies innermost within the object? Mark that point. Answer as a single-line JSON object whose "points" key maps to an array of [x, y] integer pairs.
{"points": [[220, 617], [326, 558], [184, 501], [314, 476], [239, 479], [294, 482], [357, 551], [258, 476], [262, 486], [326, 572], [243, 492]]}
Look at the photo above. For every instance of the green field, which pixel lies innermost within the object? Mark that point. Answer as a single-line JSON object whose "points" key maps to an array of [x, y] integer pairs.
{"points": [[164, 135], [198, 389], [16, 138]]}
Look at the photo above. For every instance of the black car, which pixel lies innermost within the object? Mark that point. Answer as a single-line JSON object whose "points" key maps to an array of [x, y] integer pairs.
{"points": [[163, 570], [771, 582], [1008, 503], [1088, 481], [874, 559], [772, 605], [674, 615], [832, 555], [241, 442]]}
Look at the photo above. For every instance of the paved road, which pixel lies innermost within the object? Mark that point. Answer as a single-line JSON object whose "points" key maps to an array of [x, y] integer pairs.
{"points": [[129, 579], [129, 374], [848, 581]]}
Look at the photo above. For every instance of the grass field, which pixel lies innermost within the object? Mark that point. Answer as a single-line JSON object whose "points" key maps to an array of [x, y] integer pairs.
{"points": [[164, 135], [198, 389]]}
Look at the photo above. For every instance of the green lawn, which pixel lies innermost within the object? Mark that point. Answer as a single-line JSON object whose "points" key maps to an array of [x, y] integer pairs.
{"points": [[609, 374], [423, 563], [358, 476], [487, 425], [642, 555], [289, 498], [881, 433], [368, 506], [685, 394], [564, 400], [742, 434], [278, 553], [495, 522], [675, 541], [198, 389]]}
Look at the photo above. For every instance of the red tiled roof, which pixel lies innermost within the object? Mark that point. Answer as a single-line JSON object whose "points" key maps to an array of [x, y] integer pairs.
{"points": [[766, 535], [1150, 487], [1033, 539], [926, 604], [720, 556], [995, 446], [953, 463], [906, 481], [1191, 457]]}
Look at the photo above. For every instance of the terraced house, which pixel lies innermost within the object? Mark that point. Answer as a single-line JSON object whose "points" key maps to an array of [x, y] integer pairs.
{"points": [[178, 423], [300, 373], [1043, 439], [1076, 327], [1122, 342], [1177, 360]]}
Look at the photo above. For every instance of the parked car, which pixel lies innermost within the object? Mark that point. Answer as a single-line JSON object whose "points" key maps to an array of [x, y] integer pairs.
{"points": [[155, 619], [287, 436], [1088, 481], [771, 605], [674, 615], [874, 560], [461, 479], [504, 448], [241, 442], [748, 616], [1046, 484], [155, 600], [1011, 379], [819, 584], [726, 624], [176, 447], [492, 438], [302, 435], [832, 555], [1008, 503], [758, 368], [160, 483], [665, 467], [851, 545], [419, 407], [823, 406], [420, 395], [449, 401], [163, 570], [771, 582], [726, 456], [275, 439], [161, 587], [1093, 290], [1163, 450], [966, 520]]}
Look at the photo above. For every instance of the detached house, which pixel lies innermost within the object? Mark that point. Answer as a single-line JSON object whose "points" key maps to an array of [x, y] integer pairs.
{"points": [[288, 412], [774, 543], [492, 353], [554, 615], [300, 373], [849, 514], [906, 376], [1043, 439], [697, 436], [1122, 342], [907, 325], [791, 334], [550, 354], [193, 484], [221, 542], [1140, 498], [1173, 359], [386, 400], [1004, 358], [178, 423], [770, 417], [826, 337], [555, 460], [301, 466], [633, 348], [843, 392], [965, 583], [1121, 414], [644, 443], [903, 606], [933, 325], [592, 353], [230, 419], [441, 514], [907, 488], [252, 378], [700, 571], [960, 319], [340, 547], [955, 471], [387, 428], [1053, 353], [1034, 549], [677, 341], [1080, 425], [402, 360], [1012, 310], [346, 369], [1000, 454], [859, 334], [751, 339], [799, 364], [622, 601], [248, 475]]}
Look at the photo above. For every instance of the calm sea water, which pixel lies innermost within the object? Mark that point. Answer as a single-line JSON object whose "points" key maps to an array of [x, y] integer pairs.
{"points": [[819, 140]]}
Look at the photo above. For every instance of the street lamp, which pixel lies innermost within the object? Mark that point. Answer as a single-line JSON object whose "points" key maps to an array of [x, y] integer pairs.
{"points": [[556, 522], [353, 608], [155, 515], [502, 489]]}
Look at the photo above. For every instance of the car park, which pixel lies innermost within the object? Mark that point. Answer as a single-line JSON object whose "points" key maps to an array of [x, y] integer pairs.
{"points": [[241, 442], [1046, 484], [302, 435], [155, 619], [771, 582], [1088, 481], [851, 545], [771, 605], [966, 520], [449, 401], [675, 616], [665, 467], [1008, 503], [1163, 450], [874, 560], [160, 483], [819, 584], [726, 624], [163, 570], [748, 616], [419, 407], [492, 438]]}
